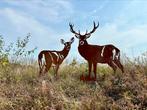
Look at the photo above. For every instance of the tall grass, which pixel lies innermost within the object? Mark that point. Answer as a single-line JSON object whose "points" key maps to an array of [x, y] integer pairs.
{"points": [[22, 89]]}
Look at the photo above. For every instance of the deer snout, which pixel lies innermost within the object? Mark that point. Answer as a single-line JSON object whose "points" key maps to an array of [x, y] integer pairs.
{"points": [[68, 47]]}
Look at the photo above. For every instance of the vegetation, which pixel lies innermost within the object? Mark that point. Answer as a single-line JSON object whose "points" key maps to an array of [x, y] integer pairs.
{"points": [[22, 89]]}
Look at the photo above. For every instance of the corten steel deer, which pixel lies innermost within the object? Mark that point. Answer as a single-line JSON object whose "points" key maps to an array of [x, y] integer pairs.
{"points": [[108, 54], [48, 57]]}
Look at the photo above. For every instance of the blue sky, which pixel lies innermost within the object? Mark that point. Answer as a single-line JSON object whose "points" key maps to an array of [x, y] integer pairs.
{"points": [[122, 23]]}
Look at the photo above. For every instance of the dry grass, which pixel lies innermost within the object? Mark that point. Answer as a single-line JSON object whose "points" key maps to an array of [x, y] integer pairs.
{"points": [[21, 89]]}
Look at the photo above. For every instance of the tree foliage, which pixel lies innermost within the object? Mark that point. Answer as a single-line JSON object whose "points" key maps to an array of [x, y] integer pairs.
{"points": [[15, 50]]}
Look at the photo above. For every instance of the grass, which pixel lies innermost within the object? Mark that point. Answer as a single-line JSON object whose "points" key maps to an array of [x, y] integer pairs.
{"points": [[22, 89]]}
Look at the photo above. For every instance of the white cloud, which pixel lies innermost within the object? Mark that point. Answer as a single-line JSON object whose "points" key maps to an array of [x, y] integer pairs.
{"points": [[50, 11], [34, 17], [20, 24]]}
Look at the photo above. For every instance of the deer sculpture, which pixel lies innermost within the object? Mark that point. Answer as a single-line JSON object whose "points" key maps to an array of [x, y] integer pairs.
{"points": [[48, 57], [107, 54]]}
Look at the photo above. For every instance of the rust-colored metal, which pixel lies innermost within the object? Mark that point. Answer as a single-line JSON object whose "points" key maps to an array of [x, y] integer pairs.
{"points": [[107, 54], [48, 58]]}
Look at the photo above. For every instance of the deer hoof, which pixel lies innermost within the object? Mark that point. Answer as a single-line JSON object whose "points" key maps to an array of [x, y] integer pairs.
{"points": [[93, 79], [56, 77], [82, 78], [85, 78]]}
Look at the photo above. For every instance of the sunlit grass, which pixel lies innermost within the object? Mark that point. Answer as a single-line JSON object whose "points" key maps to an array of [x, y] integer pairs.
{"points": [[21, 88]]}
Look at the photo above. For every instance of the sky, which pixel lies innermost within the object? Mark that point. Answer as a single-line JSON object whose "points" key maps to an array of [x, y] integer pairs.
{"points": [[122, 23]]}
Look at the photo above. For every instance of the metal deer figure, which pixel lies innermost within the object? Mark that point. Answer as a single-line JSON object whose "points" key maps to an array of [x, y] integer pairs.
{"points": [[48, 57], [108, 54]]}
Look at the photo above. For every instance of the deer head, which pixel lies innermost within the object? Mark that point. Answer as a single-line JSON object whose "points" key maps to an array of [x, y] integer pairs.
{"points": [[67, 44], [82, 38]]}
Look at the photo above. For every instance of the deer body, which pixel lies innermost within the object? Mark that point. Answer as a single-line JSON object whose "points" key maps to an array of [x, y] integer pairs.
{"points": [[97, 53], [47, 58], [108, 54], [55, 57]]}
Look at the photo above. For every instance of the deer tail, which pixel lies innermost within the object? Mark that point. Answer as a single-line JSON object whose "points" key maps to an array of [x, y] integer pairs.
{"points": [[40, 60], [116, 53]]}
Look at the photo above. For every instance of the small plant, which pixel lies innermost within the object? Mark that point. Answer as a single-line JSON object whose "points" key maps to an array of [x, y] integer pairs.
{"points": [[14, 52], [20, 48]]}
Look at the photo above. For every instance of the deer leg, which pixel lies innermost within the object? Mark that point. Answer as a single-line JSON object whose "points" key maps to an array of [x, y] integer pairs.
{"points": [[42, 70], [112, 65], [90, 66], [95, 68], [48, 63], [47, 67], [56, 70], [118, 63], [87, 78]]}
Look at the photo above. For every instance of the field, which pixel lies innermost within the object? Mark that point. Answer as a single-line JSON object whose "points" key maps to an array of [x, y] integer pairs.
{"points": [[22, 89]]}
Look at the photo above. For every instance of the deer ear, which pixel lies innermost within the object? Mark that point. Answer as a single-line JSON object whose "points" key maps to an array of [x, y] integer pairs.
{"points": [[77, 36], [62, 41], [72, 40], [88, 35]]}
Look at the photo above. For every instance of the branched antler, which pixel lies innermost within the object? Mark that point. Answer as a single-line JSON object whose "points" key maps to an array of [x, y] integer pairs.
{"points": [[94, 28], [77, 34], [72, 30]]}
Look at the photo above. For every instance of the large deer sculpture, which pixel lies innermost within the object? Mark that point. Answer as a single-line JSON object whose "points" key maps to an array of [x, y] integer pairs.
{"points": [[47, 57], [108, 54]]}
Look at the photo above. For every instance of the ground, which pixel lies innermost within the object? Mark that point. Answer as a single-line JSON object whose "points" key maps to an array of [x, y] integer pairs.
{"points": [[22, 89]]}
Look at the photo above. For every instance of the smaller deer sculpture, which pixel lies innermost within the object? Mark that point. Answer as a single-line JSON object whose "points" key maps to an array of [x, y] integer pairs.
{"points": [[107, 54], [47, 58]]}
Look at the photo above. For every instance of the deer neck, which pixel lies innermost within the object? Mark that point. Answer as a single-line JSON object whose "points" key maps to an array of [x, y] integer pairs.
{"points": [[64, 52], [83, 44], [83, 49]]}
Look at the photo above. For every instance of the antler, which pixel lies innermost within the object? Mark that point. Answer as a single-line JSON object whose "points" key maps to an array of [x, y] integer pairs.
{"points": [[94, 28], [72, 30]]}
